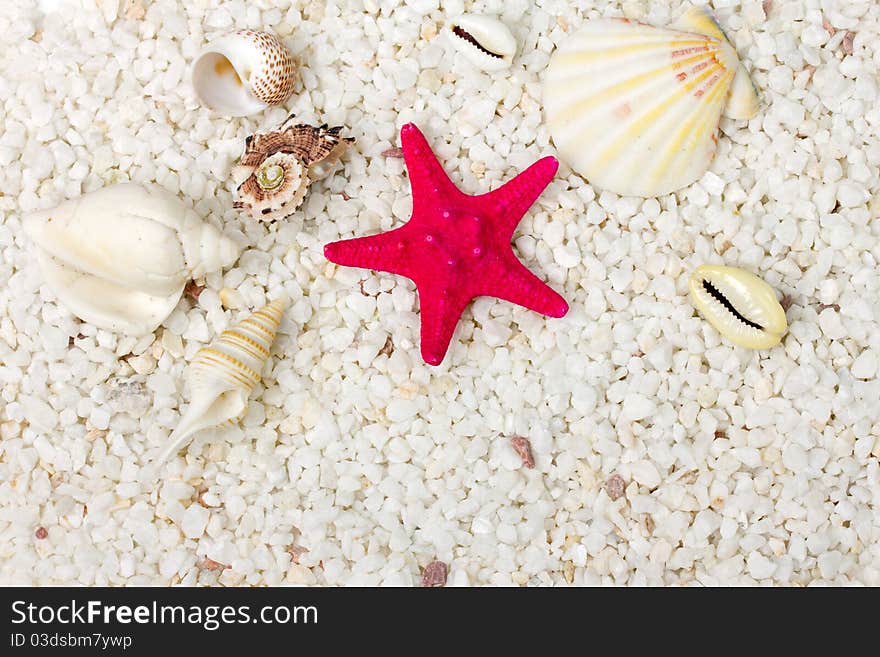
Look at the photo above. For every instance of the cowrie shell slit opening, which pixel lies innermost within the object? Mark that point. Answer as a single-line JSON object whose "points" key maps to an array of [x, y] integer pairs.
{"points": [[742, 307]]}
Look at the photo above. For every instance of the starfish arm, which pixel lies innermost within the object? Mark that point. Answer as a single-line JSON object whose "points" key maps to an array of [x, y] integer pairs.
{"points": [[381, 252], [427, 178], [518, 285], [511, 201], [441, 308]]}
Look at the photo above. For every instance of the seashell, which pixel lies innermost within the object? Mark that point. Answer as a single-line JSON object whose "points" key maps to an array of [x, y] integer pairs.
{"points": [[740, 305], [119, 257], [278, 167], [222, 376], [742, 98], [635, 108], [486, 42], [243, 73]]}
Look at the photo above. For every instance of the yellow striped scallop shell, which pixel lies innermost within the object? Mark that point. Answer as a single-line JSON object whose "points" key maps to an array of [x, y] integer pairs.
{"points": [[635, 108], [222, 376]]}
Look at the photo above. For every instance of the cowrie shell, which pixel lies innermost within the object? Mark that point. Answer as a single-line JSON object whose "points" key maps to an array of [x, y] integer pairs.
{"points": [[740, 305], [486, 42]]}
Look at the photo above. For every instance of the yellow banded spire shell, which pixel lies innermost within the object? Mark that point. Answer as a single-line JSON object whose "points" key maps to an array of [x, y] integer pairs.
{"points": [[740, 305], [742, 97], [222, 375]]}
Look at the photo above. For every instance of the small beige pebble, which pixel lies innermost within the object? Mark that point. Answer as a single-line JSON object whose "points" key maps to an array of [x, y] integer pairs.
{"points": [[865, 365], [645, 473], [172, 343], [298, 574], [157, 350], [231, 299], [135, 10], [520, 578], [9, 430], [707, 396], [429, 30], [430, 80], [142, 364], [95, 434], [640, 282]]}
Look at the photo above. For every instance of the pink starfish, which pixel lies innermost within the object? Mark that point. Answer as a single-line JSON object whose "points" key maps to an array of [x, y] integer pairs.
{"points": [[455, 247]]}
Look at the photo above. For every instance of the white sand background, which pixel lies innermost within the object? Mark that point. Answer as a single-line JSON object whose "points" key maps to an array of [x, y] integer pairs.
{"points": [[739, 467]]}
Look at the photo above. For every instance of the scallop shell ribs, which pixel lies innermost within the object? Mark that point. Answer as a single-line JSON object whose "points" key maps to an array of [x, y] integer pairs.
{"points": [[635, 109]]}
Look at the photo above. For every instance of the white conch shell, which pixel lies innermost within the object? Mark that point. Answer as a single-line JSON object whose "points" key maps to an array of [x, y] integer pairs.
{"points": [[635, 109], [243, 73], [486, 42], [740, 305], [222, 376], [120, 257]]}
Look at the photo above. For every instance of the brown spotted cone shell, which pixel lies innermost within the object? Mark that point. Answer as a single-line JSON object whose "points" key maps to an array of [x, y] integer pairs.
{"points": [[273, 83], [315, 149]]}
